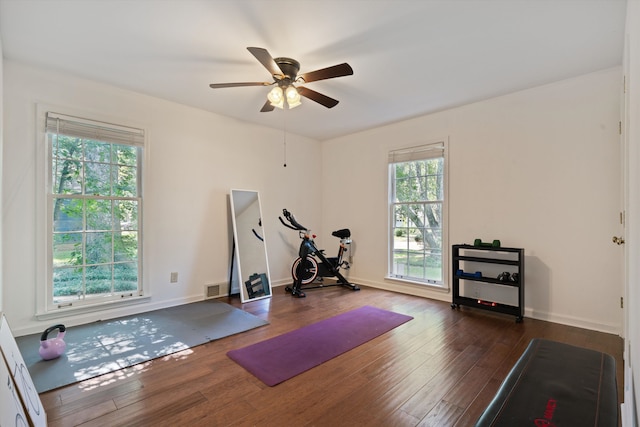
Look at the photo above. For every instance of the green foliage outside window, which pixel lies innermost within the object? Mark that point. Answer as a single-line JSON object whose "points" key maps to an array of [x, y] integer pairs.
{"points": [[418, 196], [95, 217]]}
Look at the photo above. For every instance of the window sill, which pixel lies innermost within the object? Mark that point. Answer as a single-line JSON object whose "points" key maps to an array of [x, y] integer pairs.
{"points": [[91, 308]]}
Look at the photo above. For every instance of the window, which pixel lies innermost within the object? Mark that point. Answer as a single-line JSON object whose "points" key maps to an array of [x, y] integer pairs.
{"points": [[94, 204], [418, 212]]}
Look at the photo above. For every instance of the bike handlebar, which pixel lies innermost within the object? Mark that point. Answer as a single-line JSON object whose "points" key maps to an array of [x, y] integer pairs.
{"points": [[295, 225], [285, 224]]}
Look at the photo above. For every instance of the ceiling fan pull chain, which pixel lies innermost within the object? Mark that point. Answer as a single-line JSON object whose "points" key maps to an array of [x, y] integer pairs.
{"points": [[284, 119]]}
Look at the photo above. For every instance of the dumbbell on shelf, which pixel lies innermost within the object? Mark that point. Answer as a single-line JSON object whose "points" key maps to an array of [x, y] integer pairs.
{"points": [[480, 243]]}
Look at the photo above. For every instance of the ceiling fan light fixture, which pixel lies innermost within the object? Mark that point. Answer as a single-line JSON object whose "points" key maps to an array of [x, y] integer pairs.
{"points": [[276, 97], [294, 104], [293, 97]]}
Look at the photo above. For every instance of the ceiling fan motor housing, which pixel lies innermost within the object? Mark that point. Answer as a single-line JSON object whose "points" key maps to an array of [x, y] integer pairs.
{"points": [[289, 68]]}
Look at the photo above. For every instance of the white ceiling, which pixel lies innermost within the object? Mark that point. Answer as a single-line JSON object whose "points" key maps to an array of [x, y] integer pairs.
{"points": [[410, 57]]}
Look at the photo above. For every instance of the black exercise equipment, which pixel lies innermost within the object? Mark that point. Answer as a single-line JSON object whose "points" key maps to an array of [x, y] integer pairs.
{"points": [[556, 384], [505, 276], [312, 265]]}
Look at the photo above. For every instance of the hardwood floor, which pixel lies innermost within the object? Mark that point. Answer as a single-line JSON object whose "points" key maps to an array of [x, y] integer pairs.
{"points": [[440, 369]]}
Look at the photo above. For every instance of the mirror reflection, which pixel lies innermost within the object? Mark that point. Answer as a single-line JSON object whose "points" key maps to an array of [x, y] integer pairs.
{"points": [[250, 246]]}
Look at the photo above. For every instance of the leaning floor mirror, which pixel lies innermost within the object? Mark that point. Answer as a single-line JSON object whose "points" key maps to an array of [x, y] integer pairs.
{"points": [[250, 245]]}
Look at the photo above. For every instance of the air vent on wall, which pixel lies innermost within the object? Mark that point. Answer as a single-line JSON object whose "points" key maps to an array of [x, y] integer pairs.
{"points": [[211, 291]]}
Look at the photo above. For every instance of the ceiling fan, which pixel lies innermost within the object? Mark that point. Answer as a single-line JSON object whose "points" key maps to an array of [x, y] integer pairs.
{"points": [[285, 73]]}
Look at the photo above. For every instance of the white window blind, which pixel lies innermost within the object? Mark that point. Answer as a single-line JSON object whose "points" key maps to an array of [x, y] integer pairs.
{"points": [[90, 129], [420, 152]]}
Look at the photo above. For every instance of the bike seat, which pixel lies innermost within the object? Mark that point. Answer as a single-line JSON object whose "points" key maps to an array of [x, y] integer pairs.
{"points": [[342, 234]]}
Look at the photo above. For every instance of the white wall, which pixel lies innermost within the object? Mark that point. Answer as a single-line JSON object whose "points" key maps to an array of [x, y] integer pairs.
{"points": [[194, 158], [1, 169], [537, 169], [632, 116]]}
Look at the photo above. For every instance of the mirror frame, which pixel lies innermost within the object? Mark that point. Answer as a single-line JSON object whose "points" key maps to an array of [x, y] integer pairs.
{"points": [[248, 267]]}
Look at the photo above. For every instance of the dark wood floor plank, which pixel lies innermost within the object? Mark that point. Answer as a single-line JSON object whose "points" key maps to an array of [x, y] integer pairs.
{"points": [[89, 400], [83, 415], [174, 379], [425, 399], [440, 369], [210, 413], [444, 414], [152, 411], [482, 400]]}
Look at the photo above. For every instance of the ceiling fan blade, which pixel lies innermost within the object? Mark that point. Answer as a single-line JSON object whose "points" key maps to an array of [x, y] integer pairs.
{"points": [[221, 85], [317, 97], [267, 107], [266, 60], [339, 70]]}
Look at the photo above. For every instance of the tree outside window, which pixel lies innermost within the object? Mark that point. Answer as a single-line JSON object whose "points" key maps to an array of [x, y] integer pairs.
{"points": [[94, 218], [417, 203]]}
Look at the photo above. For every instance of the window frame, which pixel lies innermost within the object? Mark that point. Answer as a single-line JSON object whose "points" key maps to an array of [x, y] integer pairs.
{"points": [[45, 306], [424, 151]]}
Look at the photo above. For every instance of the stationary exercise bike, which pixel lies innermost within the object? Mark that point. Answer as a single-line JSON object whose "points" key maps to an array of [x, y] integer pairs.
{"points": [[312, 265]]}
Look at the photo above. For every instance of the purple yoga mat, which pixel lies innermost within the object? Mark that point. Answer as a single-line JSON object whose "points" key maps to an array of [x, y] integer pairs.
{"points": [[285, 356]]}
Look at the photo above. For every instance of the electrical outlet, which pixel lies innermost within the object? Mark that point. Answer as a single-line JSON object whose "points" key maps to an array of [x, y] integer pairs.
{"points": [[174, 277]]}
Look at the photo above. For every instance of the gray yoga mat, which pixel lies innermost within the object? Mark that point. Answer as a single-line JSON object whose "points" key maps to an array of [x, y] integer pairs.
{"points": [[106, 346]]}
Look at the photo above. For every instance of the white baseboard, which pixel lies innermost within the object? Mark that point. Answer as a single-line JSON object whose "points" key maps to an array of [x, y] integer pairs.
{"points": [[100, 313], [405, 287], [578, 322], [445, 295]]}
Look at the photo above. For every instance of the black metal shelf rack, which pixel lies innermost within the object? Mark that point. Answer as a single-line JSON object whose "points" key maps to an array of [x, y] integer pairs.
{"points": [[487, 255]]}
